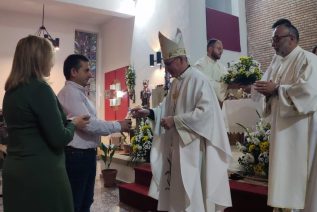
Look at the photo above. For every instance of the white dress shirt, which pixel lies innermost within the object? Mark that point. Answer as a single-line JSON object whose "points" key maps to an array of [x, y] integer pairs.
{"points": [[75, 103]]}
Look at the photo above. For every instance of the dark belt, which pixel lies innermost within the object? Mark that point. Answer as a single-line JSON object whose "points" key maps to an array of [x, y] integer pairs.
{"points": [[72, 149]]}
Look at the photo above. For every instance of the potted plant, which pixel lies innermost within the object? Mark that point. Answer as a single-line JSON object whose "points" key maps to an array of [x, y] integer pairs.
{"points": [[109, 175], [130, 77]]}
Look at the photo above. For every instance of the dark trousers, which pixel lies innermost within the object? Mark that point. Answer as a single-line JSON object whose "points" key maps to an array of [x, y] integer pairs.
{"points": [[81, 170]]}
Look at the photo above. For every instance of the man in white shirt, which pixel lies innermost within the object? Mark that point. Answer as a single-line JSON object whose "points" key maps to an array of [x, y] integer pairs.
{"points": [[214, 70], [190, 151], [290, 97], [81, 151]]}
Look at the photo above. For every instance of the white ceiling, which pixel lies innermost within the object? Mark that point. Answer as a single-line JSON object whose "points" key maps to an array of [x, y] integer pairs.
{"points": [[54, 9]]}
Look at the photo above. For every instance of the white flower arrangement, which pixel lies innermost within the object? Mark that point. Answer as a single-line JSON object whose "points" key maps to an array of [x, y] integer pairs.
{"points": [[244, 72], [255, 149]]}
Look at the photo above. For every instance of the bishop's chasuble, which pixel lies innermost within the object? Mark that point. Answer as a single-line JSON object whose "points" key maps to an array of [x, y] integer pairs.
{"points": [[190, 161], [293, 165], [214, 72]]}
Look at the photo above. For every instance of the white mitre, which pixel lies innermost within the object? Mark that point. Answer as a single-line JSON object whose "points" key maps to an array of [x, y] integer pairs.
{"points": [[170, 48]]}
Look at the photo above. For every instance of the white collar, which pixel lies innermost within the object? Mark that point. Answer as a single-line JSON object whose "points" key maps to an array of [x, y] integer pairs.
{"points": [[76, 85]]}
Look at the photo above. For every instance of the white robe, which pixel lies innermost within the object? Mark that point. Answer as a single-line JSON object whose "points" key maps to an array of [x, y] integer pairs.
{"points": [[197, 148], [214, 72], [292, 171]]}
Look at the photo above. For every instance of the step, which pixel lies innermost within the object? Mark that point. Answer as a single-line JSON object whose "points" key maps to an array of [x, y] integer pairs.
{"points": [[247, 196], [136, 195], [143, 174]]}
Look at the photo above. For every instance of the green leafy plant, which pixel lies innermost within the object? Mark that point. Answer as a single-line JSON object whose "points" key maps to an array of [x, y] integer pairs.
{"points": [[245, 72], [107, 152], [130, 78]]}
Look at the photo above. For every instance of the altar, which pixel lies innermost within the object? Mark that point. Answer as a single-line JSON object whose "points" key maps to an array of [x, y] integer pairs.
{"points": [[247, 194], [242, 111]]}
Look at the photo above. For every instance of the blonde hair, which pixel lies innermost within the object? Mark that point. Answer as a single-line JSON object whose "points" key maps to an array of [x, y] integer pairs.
{"points": [[33, 58]]}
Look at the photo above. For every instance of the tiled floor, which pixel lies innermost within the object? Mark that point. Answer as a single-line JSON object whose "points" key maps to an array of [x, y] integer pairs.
{"points": [[106, 200]]}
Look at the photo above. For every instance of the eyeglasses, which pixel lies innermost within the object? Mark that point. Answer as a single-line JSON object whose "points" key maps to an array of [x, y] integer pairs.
{"points": [[277, 38], [168, 63]]}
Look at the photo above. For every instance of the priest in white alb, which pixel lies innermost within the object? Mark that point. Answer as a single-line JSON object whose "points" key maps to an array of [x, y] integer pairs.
{"points": [[290, 90], [190, 151], [213, 69]]}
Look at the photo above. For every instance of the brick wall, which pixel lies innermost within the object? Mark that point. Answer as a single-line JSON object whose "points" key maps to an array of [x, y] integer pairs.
{"points": [[261, 14]]}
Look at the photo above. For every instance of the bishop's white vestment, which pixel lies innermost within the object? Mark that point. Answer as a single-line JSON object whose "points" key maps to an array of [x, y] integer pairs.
{"points": [[293, 165], [214, 71], [190, 161]]}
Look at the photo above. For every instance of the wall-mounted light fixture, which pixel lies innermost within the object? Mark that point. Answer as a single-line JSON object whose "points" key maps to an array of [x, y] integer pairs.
{"points": [[42, 30], [158, 59]]}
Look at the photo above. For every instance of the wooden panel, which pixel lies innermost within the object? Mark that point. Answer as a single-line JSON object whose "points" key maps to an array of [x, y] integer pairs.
{"points": [[224, 27], [117, 112], [123, 110], [109, 113]]}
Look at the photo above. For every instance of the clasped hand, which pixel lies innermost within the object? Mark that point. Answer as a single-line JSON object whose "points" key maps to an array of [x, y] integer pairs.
{"points": [[266, 88], [139, 112], [81, 122], [166, 122], [125, 125]]}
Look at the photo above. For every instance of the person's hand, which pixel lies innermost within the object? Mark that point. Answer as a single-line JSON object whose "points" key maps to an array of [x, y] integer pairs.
{"points": [[266, 88], [168, 122], [125, 125], [81, 122], [139, 112]]}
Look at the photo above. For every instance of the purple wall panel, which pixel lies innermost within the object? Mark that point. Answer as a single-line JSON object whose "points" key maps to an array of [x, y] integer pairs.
{"points": [[224, 27]]}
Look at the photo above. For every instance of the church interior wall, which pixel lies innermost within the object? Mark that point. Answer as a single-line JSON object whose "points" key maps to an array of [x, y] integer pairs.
{"points": [[122, 41], [261, 14], [14, 26], [189, 16]]}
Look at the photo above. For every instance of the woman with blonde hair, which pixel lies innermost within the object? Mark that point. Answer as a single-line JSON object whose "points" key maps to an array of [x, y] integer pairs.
{"points": [[34, 174]]}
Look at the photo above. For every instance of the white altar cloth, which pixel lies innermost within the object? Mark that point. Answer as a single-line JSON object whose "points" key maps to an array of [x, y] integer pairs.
{"points": [[242, 111]]}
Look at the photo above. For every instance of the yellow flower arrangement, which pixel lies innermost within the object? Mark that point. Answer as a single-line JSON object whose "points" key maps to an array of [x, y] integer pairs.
{"points": [[142, 141], [255, 149]]}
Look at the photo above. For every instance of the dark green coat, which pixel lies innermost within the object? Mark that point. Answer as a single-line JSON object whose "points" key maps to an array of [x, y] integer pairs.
{"points": [[34, 174]]}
